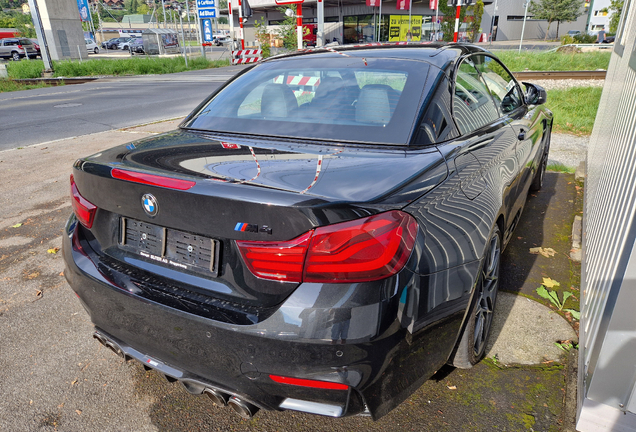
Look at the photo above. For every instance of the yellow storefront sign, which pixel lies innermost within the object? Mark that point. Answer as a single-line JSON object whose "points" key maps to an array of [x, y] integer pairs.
{"points": [[399, 27]]}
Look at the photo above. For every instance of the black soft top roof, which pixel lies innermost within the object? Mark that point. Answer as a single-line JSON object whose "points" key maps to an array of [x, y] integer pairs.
{"points": [[435, 53]]}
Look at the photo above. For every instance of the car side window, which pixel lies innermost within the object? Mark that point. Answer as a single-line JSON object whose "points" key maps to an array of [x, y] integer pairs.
{"points": [[503, 87], [437, 124], [472, 105]]}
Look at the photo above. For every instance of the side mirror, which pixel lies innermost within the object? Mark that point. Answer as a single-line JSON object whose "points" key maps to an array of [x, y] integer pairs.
{"points": [[535, 95]]}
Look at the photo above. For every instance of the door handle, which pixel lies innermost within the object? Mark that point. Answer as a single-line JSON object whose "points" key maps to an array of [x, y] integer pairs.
{"points": [[522, 135]]}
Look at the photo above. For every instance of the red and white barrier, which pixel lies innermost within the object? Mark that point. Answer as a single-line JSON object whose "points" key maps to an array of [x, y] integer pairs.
{"points": [[246, 56]]}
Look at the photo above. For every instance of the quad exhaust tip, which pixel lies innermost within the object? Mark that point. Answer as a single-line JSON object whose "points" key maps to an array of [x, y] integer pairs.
{"points": [[217, 397], [245, 409]]}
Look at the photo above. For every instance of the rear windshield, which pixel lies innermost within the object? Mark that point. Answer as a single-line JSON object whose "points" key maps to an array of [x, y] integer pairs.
{"points": [[345, 99]]}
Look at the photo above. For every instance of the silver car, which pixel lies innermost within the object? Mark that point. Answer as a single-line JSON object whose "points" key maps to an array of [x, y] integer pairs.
{"points": [[16, 48]]}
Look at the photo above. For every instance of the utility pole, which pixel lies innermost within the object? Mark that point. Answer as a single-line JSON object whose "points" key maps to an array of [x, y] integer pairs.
{"points": [[165, 20], [526, 3], [185, 55]]}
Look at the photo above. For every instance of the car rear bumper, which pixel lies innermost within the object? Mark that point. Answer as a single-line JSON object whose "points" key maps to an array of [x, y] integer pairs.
{"points": [[371, 353]]}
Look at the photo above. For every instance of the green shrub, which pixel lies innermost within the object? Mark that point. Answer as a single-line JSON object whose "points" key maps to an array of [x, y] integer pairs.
{"points": [[567, 40], [584, 38]]}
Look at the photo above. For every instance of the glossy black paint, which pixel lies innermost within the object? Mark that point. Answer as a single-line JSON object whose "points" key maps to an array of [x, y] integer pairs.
{"points": [[232, 330]]}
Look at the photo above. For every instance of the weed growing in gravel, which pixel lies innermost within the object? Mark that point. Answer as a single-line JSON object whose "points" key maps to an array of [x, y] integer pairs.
{"points": [[559, 167]]}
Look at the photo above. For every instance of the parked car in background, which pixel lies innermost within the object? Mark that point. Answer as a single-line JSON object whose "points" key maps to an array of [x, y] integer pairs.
{"points": [[322, 234], [136, 46], [114, 43], [17, 48], [574, 32], [36, 45], [125, 44], [91, 46]]}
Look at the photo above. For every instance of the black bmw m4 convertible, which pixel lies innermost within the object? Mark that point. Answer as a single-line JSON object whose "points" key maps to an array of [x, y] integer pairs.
{"points": [[322, 234]]}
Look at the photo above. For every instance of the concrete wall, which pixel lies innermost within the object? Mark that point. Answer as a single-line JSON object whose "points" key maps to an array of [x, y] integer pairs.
{"points": [[607, 357], [63, 29]]}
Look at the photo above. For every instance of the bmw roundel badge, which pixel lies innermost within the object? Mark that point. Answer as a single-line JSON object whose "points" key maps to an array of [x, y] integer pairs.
{"points": [[149, 203]]}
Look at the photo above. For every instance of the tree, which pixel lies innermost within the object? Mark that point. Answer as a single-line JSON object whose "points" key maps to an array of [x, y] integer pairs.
{"points": [[448, 19], [287, 30], [477, 11], [263, 36], [616, 7], [556, 10]]}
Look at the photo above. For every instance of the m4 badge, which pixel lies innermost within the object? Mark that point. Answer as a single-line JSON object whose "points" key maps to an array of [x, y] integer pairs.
{"points": [[245, 227]]}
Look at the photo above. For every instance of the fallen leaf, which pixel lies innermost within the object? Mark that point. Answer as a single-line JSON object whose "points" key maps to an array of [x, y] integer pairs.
{"points": [[61, 274], [546, 252], [79, 412], [18, 225], [74, 382], [452, 387], [53, 250], [38, 293], [550, 283]]}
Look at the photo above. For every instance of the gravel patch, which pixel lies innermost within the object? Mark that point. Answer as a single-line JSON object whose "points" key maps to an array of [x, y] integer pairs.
{"points": [[568, 83], [568, 150]]}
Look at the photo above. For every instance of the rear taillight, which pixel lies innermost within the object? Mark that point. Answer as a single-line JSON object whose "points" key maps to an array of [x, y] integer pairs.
{"points": [[83, 209], [19, 46], [362, 250], [276, 260]]}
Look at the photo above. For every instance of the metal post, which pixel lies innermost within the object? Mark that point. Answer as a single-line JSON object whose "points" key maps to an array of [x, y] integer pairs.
{"points": [[240, 8], [39, 30], [189, 26], [409, 32], [299, 25], [380, 22], [435, 26], [492, 23], [165, 20], [459, 5], [185, 55], [523, 29], [101, 27], [231, 20], [320, 35]]}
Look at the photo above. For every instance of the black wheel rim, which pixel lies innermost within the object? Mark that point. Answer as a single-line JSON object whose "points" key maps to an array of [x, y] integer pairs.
{"points": [[487, 296]]}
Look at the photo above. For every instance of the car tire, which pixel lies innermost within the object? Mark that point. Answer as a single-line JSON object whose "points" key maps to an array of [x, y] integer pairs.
{"points": [[96, 50], [472, 345], [15, 56], [537, 181]]}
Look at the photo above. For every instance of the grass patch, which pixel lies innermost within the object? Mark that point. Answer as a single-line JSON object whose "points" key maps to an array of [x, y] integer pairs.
{"points": [[104, 67], [8, 85], [574, 109], [554, 61], [559, 167]]}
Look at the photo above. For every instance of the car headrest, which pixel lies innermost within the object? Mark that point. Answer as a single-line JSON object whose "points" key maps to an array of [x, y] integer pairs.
{"points": [[278, 101], [376, 104]]}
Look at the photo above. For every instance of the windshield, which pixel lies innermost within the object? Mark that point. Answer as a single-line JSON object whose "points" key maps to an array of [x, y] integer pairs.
{"points": [[345, 98]]}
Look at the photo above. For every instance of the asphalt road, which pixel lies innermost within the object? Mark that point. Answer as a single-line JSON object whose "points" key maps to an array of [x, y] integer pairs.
{"points": [[43, 115]]}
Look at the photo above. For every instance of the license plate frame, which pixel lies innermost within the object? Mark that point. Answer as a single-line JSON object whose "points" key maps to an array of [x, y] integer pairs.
{"points": [[174, 248]]}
